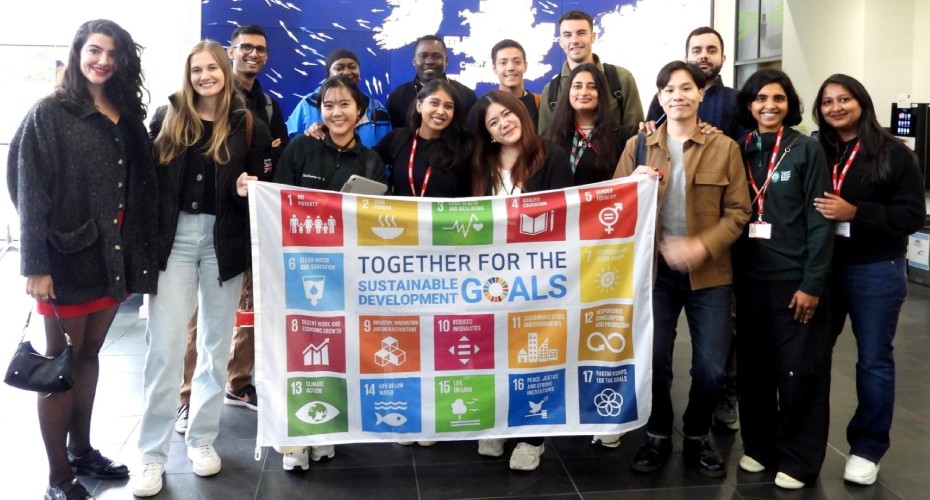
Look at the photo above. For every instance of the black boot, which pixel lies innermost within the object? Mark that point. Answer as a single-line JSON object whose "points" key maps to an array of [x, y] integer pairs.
{"points": [[652, 455], [698, 453]]}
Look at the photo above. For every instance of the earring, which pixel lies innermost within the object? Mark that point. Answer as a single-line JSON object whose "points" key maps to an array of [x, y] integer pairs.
{"points": [[493, 140]]}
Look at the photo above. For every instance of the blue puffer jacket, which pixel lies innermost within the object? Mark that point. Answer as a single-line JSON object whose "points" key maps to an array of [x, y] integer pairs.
{"points": [[374, 125]]}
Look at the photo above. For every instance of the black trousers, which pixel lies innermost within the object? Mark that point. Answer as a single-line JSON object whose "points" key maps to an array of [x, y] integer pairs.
{"points": [[784, 378]]}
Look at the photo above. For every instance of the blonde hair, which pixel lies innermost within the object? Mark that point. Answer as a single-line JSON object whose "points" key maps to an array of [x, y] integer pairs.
{"points": [[182, 126]]}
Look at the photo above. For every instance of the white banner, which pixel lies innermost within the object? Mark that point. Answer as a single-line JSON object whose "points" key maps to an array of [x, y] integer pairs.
{"points": [[386, 319]]}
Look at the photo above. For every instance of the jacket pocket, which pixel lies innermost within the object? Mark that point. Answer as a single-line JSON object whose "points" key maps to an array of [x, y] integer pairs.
{"points": [[708, 191], [69, 242]]}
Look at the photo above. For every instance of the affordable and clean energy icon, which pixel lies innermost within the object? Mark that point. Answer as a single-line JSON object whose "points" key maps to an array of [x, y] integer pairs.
{"points": [[387, 228], [610, 216], [313, 288]]}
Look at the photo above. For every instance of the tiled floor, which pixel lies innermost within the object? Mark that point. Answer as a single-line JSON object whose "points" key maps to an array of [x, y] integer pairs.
{"points": [[571, 467]]}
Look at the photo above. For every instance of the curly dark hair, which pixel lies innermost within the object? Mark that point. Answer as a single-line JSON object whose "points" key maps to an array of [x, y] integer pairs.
{"points": [[125, 88]]}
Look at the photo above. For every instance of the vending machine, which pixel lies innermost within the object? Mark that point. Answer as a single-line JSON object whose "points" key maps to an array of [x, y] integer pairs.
{"points": [[910, 125]]}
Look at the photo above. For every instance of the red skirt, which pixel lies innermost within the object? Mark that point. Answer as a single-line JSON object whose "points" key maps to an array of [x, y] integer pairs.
{"points": [[76, 310]]}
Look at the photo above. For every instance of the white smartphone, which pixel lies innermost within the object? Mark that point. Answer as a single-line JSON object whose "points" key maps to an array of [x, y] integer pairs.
{"points": [[361, 185]]}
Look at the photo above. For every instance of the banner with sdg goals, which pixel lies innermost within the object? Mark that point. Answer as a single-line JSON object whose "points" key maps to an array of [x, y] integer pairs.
{"points": [[387, 319]]}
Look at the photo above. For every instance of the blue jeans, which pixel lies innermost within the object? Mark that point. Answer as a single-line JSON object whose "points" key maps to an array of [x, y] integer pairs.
{"points": [[708, 313], [192, 267], [872, 295]]}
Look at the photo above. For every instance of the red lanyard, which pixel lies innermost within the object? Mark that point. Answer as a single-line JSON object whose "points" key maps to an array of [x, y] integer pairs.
{"points": [[760, 192], [429, 170], [837, 186]]}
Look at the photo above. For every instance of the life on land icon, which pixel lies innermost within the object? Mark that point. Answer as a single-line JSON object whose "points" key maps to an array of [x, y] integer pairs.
{"points": [[461, 407]]}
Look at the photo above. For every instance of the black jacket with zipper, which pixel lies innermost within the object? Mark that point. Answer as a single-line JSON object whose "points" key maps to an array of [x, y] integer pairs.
{"points": [[231, 229]]}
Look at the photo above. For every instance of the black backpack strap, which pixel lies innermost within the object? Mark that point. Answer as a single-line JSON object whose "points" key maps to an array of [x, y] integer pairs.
{"points": [[640, 157], [553, 95], [613, 82], [269, 108]]}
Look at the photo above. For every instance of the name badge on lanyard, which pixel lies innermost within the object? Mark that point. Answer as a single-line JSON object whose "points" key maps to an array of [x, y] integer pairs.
{"points": [[843, 228], [760, 230]]}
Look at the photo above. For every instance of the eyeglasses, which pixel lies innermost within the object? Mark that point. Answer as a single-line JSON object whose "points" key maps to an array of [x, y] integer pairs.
{"points": [[247, 48]]}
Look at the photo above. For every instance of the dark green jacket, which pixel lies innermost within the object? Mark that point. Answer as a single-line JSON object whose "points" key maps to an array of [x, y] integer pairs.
{"points": [[801, 246]]}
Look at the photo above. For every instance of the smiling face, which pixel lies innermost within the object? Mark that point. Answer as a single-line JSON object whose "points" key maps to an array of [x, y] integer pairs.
{"points": [[704, 52], [582, 95], [436, 112], [770, 107], [429, 59], [248, 64], [340, 113], [98, 59], [840, 109], [510, 65], [680, 97], [207, 76], [503, 125], [577, 38]]}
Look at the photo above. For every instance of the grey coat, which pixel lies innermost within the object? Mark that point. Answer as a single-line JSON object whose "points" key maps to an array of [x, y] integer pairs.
{"points": [[69, 175]]}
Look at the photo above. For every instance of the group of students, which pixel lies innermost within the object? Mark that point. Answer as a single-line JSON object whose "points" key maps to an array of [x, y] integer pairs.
{"points": [[190, 244]]}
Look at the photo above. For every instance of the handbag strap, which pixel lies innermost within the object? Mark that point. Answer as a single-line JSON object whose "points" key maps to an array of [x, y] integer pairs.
{"points": [[61, 325]]}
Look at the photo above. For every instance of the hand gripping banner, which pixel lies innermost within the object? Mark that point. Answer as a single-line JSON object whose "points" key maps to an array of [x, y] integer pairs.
{"points": [[400, 319]]}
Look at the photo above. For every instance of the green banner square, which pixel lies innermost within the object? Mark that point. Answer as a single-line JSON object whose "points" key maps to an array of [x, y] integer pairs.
{"points": [[458, 223], [316, 405], [464, 403]]}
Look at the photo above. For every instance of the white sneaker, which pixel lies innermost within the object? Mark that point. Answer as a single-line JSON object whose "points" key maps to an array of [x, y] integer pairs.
{"points": [[491, 447], [426, 443], [149, 482], [180, 422], [787, 482], [607, 440], [297, 459], [318, 453], [526, 456], [406, 443], [860, 470], [750, 464], [204, 460]]}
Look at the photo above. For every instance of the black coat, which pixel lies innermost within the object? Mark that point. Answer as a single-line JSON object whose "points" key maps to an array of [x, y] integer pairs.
{"points": [[231, 229], [69, 175]]}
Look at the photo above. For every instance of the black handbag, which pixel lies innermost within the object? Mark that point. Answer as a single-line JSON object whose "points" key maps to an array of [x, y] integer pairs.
{"points": [[32, 371]]}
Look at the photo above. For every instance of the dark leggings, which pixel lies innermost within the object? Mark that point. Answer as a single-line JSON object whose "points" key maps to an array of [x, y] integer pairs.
{"points": [[64, 417]]}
